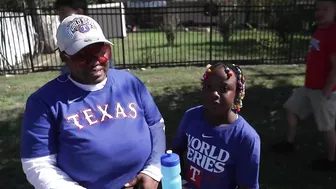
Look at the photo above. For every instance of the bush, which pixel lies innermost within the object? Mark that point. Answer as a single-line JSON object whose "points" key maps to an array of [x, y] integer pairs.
{"points": [[297, 21], [225, 27]]}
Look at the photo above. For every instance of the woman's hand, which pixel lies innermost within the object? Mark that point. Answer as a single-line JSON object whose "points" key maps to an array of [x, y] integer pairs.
{"points": [[143, 181]]}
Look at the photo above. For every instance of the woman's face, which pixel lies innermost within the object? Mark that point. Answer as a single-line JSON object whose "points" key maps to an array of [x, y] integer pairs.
{"points": [[90, 64]]}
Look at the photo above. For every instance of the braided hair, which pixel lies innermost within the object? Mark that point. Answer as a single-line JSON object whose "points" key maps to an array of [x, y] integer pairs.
{"points": [[231, 69]]}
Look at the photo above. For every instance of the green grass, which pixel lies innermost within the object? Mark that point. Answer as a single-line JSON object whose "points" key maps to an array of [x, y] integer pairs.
{"points": [[151, 47], [175, 90]]}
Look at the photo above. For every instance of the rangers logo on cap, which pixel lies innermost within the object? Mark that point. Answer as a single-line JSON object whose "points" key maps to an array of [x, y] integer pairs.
{"points": [[81, 25]]}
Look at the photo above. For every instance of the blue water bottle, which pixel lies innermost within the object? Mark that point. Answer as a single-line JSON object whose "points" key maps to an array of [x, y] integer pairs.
{"points": [[171, 169]]}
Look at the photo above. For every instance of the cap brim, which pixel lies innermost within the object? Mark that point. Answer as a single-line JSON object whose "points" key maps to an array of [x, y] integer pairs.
{"points": [[80, 44]]}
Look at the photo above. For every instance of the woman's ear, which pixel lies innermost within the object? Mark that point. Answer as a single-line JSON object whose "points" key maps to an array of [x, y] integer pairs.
{"points": [[64, 57]]}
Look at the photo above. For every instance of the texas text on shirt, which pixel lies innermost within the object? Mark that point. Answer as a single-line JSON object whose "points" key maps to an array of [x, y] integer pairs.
{"points": [[54, 127], [219, 157]]}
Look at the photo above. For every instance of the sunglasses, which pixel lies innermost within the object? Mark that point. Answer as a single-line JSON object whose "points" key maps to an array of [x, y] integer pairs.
{"points": [[97, 52]]}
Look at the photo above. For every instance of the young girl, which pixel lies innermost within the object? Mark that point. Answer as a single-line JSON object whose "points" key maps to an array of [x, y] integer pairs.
{"points": [[223, 150]]}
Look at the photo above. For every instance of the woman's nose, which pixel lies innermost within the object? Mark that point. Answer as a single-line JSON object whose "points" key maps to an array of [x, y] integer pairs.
{"points": [[97, 60]]}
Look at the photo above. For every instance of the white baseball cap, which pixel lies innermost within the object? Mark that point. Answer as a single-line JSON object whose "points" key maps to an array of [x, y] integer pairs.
{"points": [[78, 31]]}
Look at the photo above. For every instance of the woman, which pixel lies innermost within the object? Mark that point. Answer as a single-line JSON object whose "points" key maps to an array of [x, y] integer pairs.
{"points": [[96, 128]]}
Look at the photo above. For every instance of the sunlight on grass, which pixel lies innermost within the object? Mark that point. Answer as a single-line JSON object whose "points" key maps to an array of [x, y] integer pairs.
{"points": [[151, 47]]}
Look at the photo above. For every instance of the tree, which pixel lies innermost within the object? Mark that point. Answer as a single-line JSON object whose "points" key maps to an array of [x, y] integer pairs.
{"points": [[170, 23], [46, 41], [226, 19]]}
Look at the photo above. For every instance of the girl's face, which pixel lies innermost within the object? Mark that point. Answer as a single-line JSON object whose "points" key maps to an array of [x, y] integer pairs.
{"points": [[325, 12], [219, 92]]}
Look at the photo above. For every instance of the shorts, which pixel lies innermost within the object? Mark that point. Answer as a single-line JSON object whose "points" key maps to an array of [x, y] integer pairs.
{"points": [[305, 102]]}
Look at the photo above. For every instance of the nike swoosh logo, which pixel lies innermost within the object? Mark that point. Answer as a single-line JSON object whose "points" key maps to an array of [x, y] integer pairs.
{"points": [[73, 100], [205, 136]]}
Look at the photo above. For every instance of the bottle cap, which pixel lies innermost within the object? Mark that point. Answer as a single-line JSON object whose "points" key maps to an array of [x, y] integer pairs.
{"points": [[170, 159]]}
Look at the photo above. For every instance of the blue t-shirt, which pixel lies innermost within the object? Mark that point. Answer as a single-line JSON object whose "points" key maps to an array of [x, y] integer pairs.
{"points": [[101, 138], [221, 157]]}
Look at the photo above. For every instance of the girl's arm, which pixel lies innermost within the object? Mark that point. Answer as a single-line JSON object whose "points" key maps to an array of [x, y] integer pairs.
{"points": [[39, 149], [180, 152], [180, 143], [248, 159]]}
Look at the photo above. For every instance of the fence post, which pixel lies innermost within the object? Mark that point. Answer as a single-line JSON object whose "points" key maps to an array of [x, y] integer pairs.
{"points": [[28, 36], [210, 53], [291, 37], [122, 33]]}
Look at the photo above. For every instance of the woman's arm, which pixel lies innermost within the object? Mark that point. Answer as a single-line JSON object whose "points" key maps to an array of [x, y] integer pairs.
{"points": [[157, 130], [153, 165], [39, 148], [43, 173]]}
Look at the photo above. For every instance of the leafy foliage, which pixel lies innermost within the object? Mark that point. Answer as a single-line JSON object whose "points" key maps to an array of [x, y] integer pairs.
{"points": [[297, 21]]}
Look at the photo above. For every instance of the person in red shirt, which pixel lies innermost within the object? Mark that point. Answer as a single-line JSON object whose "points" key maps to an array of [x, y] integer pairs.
{"points": [[318, 95]]}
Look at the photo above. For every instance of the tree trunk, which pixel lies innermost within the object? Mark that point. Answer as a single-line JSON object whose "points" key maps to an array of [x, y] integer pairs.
{"points": [[45, 37]]}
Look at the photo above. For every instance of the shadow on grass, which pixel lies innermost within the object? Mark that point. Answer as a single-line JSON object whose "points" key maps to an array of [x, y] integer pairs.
{"points": [[262, 109], [11, 174]]}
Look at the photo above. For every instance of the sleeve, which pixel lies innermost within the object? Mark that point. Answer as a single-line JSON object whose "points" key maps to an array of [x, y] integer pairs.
{"points": [[180, 141], [39, 149], [151, 111], [43, 173], [247, 169], [38, 136], [157, 130]]}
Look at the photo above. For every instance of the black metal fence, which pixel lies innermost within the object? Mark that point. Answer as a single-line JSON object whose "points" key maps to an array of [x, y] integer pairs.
{"points": [[154, 34]]}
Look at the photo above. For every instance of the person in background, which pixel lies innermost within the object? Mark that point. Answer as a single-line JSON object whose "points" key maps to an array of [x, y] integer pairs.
{"points": [[223, 150], [96, 128], [66, 8], [318, 95]]}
